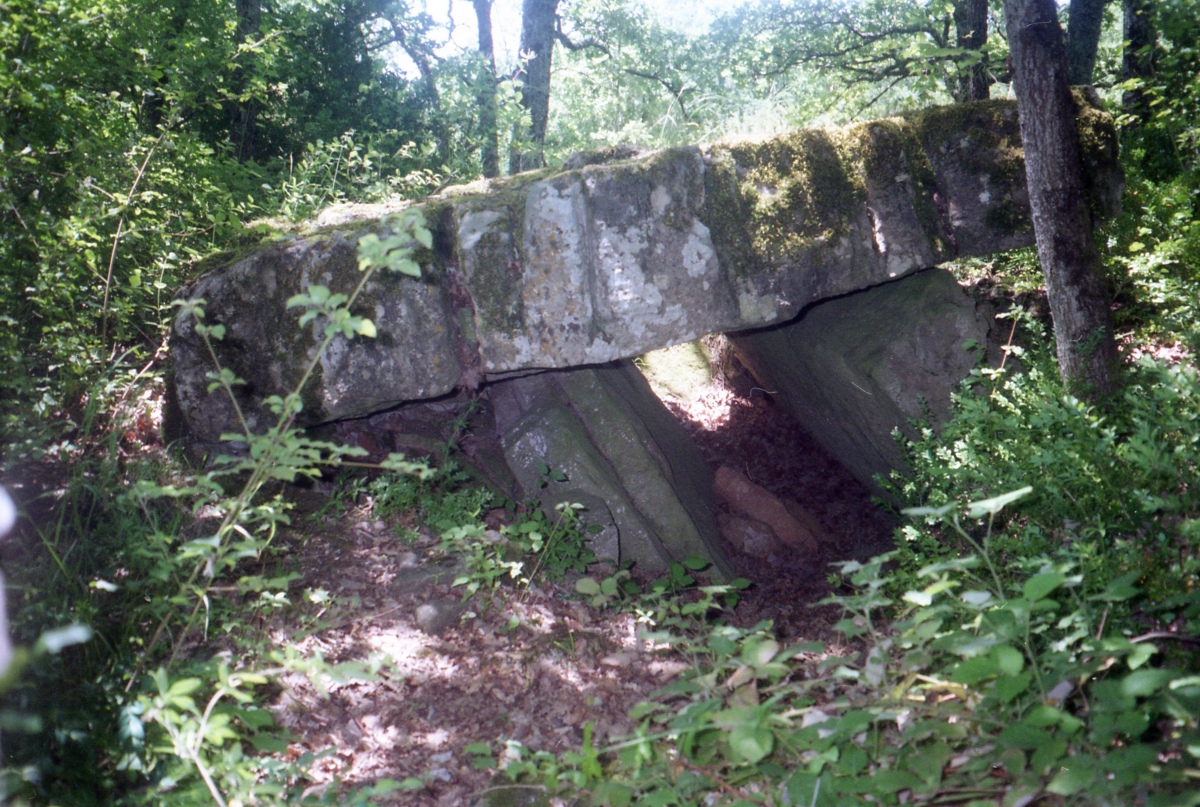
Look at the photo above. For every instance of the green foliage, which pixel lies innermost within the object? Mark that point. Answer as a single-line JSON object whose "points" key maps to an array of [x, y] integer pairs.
{"points": [[141, 685], [552, 546], [1113, 483], [349, 169], [976, 690], [998, 656]]}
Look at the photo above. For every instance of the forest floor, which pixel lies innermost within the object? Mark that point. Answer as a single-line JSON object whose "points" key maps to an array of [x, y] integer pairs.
{"points": [[530, 665]]}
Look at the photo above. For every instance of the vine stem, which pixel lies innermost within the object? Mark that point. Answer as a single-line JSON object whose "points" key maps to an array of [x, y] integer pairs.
{"points": [[258, 476], [112, 255]]}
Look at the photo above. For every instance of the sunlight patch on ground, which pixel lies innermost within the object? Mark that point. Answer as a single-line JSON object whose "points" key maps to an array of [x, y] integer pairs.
{"points": [[688, 379]]}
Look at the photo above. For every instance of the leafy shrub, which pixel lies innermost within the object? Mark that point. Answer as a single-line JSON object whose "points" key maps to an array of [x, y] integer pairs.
{"points": [[133, 711], [1116, 483], [974, 689]]}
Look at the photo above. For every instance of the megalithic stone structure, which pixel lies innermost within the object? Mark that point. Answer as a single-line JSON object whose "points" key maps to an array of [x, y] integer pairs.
{"points": [[607, 260], [553, 270]]}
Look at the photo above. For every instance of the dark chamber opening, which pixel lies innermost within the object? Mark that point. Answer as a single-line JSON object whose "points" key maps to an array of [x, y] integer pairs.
{"points": [[737, 424]]}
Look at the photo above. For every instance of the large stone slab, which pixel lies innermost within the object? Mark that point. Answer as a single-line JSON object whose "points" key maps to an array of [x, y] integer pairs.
{"points": [[854, 369], [608, 261], [625, 458], [412, 357]]}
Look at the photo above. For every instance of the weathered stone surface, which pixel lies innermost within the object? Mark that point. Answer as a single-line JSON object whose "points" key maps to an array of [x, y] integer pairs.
{"points": [[852, 370], [593, 265], [756, 502], [749, 536], [626, 460], [438, 616], [413, 356], [611, 260]]}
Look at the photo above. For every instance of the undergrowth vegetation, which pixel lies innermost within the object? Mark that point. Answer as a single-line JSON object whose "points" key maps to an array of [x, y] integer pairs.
{"points": [[1036, 645]]}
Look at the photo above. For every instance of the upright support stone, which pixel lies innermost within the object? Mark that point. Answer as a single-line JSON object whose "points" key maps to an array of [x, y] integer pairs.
{"points": [[855, 369], [625, 459]]}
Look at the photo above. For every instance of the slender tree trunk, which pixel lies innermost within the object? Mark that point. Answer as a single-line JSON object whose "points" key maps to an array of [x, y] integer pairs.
{"points": [[1084, 20], [1079, 300], [970, 25], [243, 133], [490, 150], [537, 42], [1137, 60], [155, 104]]}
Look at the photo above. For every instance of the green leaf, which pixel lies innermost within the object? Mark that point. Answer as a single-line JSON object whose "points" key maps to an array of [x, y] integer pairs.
{"points": [[1136, 246], [921, 598], [759, 653], [976, 599], [1143, 683], [695, 564], [1140, 655], [1010, 660], [1040, 585], [752, 743], [268, 744], [184, 686], [929, 512], [406, 266], [587, 586], [974, 670], [1078, 772], [992, 506], [1121, 588], [612, 794], [893, 782], [1024, 736], [1009, 687], [366, 328]]}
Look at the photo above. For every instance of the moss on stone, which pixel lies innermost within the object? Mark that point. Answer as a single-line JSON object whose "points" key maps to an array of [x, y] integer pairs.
{"points": [[1099, 149], [497, 283], [250, 241], [890, 152], [980, 131], [779, 197]]}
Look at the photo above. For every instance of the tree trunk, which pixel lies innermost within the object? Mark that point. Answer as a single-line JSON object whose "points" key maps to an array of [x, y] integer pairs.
{"points": [[970, 24], [1084, 20], [243, 132], [1137, 60], [490, 150], [537, 42], [1079, 300]]}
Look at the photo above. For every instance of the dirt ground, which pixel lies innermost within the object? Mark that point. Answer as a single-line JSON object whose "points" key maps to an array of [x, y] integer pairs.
{"points": [[530, 666]]}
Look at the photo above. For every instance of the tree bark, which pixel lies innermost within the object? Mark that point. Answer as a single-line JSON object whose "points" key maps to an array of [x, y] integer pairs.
{"points": [[970, 24], [1079, 301], [1137, 59], [537, 42], [1084, 20], [244, 130], [490, 150]]}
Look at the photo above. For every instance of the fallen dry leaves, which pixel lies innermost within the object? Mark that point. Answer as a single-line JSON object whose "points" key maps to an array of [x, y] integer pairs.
{"points": [[532, 666]]}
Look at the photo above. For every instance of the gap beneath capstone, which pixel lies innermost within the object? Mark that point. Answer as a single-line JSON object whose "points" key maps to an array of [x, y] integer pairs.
{"points": [[737, 424]]}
